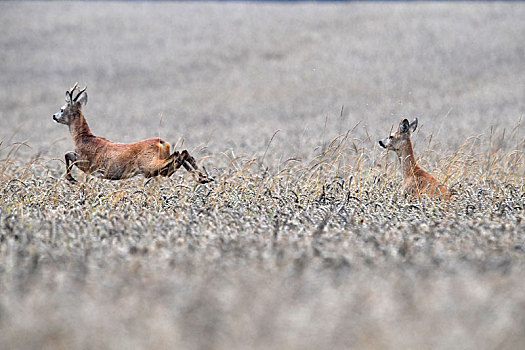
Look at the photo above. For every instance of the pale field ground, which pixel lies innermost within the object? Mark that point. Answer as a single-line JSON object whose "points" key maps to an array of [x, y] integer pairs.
{"points": [[300, 244]]}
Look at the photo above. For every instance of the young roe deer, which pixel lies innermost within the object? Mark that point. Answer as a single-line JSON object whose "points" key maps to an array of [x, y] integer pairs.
{"points": [[114, 161], [417, 182]]}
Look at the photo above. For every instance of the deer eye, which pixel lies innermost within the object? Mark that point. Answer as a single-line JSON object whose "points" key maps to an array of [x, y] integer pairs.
{"points": [[390, 137]]}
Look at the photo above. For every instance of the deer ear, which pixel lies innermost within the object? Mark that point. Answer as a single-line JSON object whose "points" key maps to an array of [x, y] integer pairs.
{"points": [[68, 97], [413, 125], [404, 126], [82, 99]]}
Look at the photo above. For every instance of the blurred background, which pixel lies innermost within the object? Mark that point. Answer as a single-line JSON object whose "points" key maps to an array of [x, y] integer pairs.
{"points": [[225, 77]]}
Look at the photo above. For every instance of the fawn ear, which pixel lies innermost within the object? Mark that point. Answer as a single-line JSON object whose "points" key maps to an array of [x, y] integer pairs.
{"points": [[404, 126], [413, 125]]}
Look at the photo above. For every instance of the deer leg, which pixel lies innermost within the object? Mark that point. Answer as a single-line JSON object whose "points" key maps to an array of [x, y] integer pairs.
{"points": [[71, 158], [185, 154], [166, 169], [187, 159], [173, 164], [177, 160]]}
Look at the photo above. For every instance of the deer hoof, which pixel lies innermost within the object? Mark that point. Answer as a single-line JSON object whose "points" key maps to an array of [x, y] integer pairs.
{"points": [[205, 180], [71, 179]]}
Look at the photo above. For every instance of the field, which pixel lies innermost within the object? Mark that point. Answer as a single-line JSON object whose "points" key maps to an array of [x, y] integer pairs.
{"points": [[305, 240]]}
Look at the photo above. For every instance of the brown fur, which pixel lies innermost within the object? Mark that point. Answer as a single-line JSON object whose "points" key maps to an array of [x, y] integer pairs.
{"points": [[416, 181], [114, 161]]}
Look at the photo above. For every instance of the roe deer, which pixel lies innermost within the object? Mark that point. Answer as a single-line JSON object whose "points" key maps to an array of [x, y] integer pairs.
{"points": [[417, 182], [114, 161]]}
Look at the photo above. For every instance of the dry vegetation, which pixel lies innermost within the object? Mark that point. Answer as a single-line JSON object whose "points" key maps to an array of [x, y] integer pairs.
{"points": [[305, 239]]}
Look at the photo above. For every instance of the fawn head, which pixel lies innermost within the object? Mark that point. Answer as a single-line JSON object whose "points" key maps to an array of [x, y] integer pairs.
{"points": [[70, 110], [399, 139]]}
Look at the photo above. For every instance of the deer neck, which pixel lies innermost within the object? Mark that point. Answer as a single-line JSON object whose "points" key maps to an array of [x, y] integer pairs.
{"points": [[407, 160], [79, 128]]}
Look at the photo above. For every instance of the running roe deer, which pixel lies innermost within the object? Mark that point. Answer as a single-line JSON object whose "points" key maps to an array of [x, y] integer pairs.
{"points": [[417, 182], [115, 161]]}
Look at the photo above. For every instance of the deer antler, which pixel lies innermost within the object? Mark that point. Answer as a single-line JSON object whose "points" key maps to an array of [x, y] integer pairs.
{"points": [[70, 93], [80, 93]]}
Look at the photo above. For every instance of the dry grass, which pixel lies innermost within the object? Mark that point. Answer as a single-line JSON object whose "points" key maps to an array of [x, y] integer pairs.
{"points": [[327, 253], [305, 239]]}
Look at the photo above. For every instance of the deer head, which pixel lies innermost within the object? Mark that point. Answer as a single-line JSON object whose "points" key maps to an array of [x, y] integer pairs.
{"points": [[401, 137], [70, 110]]}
